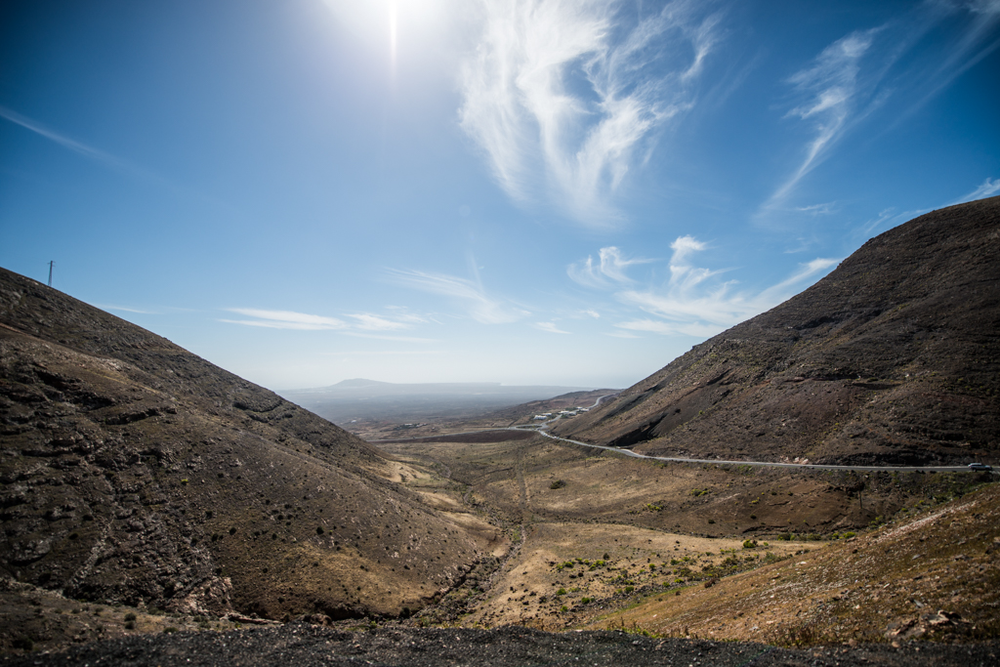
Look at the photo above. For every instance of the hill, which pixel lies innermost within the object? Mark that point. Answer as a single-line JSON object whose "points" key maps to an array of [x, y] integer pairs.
{"points": [[892, 358], [135, 472]]}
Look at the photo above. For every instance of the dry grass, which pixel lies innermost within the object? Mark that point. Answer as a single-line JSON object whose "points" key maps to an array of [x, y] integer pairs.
{"points": [[935, 577]]}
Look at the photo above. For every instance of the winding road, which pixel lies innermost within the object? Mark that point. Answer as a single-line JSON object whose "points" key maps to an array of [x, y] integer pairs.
{"points": [[541, 430]]}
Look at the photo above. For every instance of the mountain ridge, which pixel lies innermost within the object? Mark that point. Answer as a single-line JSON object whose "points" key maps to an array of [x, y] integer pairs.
{"points": [[891, 358]]}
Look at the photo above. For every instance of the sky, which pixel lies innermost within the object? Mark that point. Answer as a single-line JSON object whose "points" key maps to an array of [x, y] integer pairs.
{"points": [[568, 192]]}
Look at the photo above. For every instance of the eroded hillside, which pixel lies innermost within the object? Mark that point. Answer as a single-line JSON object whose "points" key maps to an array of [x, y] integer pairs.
{"points": [[894, 357], [134, 472]]}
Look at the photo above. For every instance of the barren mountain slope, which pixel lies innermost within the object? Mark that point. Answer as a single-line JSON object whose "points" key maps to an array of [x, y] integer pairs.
{"points": [[136, 472], [894, 357]]}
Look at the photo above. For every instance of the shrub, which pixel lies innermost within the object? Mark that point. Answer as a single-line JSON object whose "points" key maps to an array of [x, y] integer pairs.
{"points": [[557, 484], [749, 544]]}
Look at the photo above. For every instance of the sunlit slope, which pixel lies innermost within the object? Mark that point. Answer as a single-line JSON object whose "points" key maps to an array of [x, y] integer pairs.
{"points": [[894, 357], [136, 472]]}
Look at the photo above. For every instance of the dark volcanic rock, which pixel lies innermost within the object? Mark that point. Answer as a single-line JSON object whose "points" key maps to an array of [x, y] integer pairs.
{"points": [[893, 358], [509, 646]]}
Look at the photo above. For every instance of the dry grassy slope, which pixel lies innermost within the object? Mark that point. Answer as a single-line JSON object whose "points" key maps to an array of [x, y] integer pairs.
{"points": [[135, 472], [934, 575], [893, 357]]}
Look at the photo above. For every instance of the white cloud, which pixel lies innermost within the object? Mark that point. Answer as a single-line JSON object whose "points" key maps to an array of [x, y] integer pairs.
{"points": [[669, 329], [609, 271], [829, 88], [285, 319], [369, 322], [127, 310], [988, 188], [562, 95], [817, 209], [869, 69], [89, 152], [479, 305], [694, 302], [550, 327]]}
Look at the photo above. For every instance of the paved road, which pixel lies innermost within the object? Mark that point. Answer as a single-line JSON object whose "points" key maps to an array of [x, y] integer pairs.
{"points": [[541, 427], [767, 464]]}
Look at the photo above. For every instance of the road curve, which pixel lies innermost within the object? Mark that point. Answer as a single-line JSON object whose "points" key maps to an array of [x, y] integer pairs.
{"points": [[767, 464], [540, 429]]}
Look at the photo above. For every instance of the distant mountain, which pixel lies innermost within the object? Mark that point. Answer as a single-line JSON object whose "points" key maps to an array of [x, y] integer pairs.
{"points": [[369, 399], [894, 357], [136, 472]]}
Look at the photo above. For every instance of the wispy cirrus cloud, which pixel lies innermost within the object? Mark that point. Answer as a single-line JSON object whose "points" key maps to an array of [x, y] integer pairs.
{"points": [[829, 91], [695, 301], [89, 152], [369, 322], [988, 188], [562, 96], [64, 141], [479, 305], [125, 309], [877, 68], [890, 217], [608, 271], [366, 325], [550, 327], [285, 319]]}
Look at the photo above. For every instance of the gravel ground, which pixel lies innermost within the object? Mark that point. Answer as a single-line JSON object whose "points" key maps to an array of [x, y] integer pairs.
{"points": [[307, 646]]}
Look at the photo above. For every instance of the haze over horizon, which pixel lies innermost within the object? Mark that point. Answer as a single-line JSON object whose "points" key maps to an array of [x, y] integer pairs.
{"points": [[524, 191]]}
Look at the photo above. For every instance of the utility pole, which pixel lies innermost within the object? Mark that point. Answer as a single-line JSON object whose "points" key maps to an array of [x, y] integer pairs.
{"points": [[51, 262]]}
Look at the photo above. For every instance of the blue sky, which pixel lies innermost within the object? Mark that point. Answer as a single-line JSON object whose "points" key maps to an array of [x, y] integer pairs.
{"points": [[518, 191]]}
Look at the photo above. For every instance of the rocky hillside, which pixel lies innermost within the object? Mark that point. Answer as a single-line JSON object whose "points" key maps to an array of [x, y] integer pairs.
{"points": [[892, 358], [133, 471]]}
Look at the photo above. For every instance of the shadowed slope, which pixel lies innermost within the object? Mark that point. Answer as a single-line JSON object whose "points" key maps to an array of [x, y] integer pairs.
{"points": [[134, 471], [894, 357]]}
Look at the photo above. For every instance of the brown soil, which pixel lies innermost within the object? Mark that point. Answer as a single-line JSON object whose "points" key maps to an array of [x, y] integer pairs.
{"points": [[893, 358], [136, 473]]}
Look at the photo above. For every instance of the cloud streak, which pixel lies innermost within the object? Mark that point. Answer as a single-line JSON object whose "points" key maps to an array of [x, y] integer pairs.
{"points": [[988, 188], [365, 325], [562, 96], [830, 88], [694, 302], [480, 306], [608, 271], [286, 319], [880, 67]]}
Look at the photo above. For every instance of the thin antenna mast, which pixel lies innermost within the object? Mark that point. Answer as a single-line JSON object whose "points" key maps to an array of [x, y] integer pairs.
{"points": [[51, 263]]}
